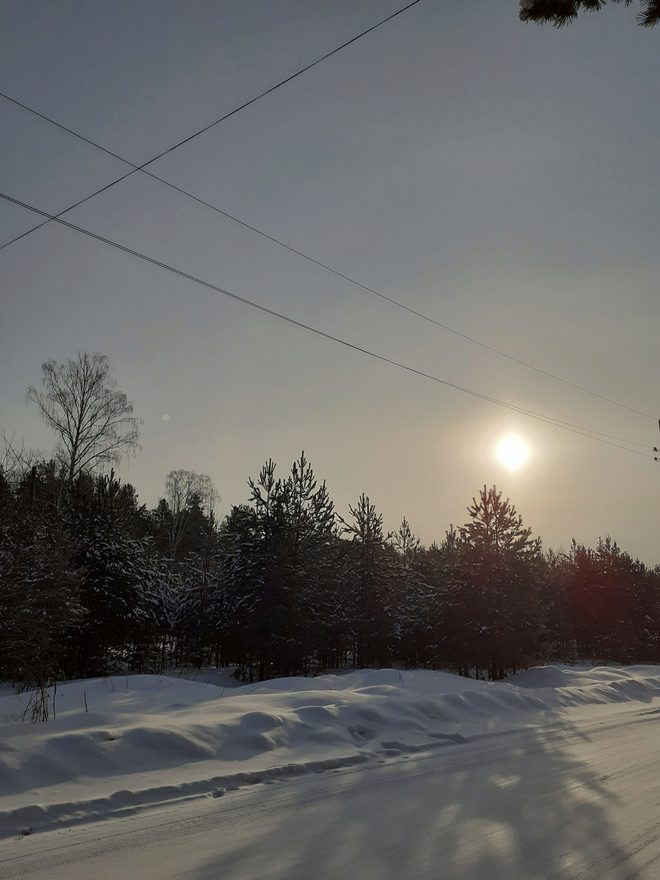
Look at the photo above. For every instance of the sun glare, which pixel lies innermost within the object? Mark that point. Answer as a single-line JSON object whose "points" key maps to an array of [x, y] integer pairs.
{"points": [[512, 452]]}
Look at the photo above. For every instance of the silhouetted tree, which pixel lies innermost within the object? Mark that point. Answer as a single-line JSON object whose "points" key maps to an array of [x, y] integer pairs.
{"points": [[190, 498], [90, 581], [93, 420], [40, 610], [113, 563], [613, 603], [502, 564], [413, 598], [561, 12], [368, 580]]}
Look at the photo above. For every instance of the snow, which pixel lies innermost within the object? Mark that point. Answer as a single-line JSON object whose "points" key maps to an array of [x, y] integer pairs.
{"points": [[169, 745]]}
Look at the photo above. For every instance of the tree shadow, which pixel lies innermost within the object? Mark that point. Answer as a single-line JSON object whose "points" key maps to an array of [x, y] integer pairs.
{"points": [[517, 805]]}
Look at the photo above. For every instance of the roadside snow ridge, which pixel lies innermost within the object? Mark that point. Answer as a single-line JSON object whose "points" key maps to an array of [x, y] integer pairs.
{"points": [[149, 739]]}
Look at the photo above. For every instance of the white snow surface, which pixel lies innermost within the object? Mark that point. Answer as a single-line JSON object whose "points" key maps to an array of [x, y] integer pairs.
{"points": [[148, 738], [164, 743]]}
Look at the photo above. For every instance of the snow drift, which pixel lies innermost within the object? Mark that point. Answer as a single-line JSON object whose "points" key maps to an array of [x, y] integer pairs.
{"points": [[122, 743]]}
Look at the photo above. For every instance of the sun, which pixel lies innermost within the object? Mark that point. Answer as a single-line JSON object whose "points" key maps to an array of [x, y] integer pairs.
{"points": [[512, 452]]}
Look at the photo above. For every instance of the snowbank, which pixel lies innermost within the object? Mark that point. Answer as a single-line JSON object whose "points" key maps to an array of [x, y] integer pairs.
{"points": [[148, 739]]}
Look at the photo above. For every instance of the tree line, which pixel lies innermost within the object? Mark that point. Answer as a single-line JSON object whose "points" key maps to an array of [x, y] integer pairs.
{"points": [[92, 581]]}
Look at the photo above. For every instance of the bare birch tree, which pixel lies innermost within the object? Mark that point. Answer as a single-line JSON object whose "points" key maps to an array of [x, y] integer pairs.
{"points": [[182, 489], [94, 421], [15, 458]]}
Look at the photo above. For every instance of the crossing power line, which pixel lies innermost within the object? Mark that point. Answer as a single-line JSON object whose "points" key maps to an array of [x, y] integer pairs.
{"points": [[323, 265], [210, 125], [590, 433]]}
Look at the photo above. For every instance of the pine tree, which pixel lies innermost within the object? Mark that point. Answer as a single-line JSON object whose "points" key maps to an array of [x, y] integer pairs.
{"points": [[613, 603], [502, 565], [561, 12], [368, 579], [413, 598], [311, 551], [40, 611], [102, 528]]}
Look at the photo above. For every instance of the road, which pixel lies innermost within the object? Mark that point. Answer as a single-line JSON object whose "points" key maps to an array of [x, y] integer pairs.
{"points": [[561, 801]]}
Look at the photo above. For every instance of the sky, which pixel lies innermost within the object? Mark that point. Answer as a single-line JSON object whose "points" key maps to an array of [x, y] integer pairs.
{"points": [[498, 177]]}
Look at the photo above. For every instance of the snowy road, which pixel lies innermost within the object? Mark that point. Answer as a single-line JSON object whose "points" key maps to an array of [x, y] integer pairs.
{"points": [[564, 800]]}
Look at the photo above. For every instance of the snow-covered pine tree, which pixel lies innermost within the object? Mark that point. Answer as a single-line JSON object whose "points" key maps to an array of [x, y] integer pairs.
{"points": [[368, 577], [311, 548], [102, 527], [40, 611], [412, 598], [236, 600], [501, 564]]}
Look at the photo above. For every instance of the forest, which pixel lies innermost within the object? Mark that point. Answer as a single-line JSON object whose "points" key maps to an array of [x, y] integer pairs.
{"points": [[94, 582]]}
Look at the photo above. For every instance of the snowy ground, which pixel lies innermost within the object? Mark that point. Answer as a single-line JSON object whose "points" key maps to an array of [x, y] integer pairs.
{"points": [[377, 774]]}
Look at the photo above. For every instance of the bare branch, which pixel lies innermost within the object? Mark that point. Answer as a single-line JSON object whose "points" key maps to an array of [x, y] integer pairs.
{"points": [[15, 459], [183, 489], [94, 421]]}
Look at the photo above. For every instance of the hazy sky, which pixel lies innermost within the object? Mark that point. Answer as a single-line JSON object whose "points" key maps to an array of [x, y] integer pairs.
{"points": [[501, 177]]}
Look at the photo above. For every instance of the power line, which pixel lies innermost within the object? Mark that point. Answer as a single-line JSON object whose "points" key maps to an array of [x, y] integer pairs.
{"points": [[592, 434], [314, 261], [248, 103]]}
